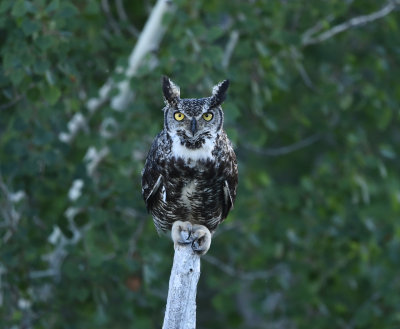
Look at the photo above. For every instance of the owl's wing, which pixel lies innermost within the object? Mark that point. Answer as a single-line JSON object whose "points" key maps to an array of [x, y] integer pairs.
{"points": [[150, 192], [230, 184], [151, 183], [152, 179]]}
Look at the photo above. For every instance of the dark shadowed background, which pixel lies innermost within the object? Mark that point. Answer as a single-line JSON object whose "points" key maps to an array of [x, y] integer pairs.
{"points": [[313, 112]]}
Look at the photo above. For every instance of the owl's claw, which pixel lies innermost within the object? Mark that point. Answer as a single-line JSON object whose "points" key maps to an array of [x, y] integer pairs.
{"points": [[198, 235], [185, 236], [181, 232], [201, 239]]}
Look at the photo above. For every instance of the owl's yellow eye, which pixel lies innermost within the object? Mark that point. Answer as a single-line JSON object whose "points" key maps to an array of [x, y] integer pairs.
{"points": [[207, 116], [179, 116]]}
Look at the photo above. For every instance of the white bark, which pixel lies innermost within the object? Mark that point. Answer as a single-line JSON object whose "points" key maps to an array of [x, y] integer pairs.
{"points": [[8, 212], [309, 39], [230, 47], [149, 40], [180, 312]]}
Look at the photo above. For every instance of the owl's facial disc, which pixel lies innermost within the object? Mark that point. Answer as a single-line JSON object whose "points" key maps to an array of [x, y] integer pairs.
{"points": [[193, 132], [193, 123]]}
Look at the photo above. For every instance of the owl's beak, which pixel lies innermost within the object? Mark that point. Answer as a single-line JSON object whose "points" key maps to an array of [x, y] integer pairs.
{"points": [[193, 126]]}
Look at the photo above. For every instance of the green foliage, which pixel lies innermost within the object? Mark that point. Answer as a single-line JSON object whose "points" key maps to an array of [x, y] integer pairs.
{"points": [[314, 239]]}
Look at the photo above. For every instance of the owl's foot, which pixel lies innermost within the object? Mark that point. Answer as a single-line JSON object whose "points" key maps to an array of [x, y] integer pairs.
{"points": [[181, 232], [201, 239], [197, 235]]}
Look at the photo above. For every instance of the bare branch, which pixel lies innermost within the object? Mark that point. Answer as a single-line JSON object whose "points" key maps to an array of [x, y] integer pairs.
{"points": [[308, 39], [56, 257], [137, 216], [294, 53], [8, 211], [233, 39], [106, 8], [124, 17], [284, 149], [148, 41], [2, 271], [244, 301], [93, 158], [76, 124], [193, 40], [279, 269], [16, 99], [11, 103], [316, 28]]}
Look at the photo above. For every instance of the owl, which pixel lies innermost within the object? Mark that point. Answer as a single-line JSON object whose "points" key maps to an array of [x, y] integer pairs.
{"points": [[190, 175]]}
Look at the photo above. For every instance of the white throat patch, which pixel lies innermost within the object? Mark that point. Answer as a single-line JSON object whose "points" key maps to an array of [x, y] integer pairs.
{"points": [[181, 151]]}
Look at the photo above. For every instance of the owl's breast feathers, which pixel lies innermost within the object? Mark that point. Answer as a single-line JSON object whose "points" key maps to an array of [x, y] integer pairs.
{"points": [[177, 188]]}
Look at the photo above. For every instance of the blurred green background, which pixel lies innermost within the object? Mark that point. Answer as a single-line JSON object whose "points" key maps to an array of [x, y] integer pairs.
{"points": [[314, 239]]}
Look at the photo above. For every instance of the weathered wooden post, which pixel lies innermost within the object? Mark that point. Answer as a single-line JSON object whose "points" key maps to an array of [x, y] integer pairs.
{"points": [[180, 312]]}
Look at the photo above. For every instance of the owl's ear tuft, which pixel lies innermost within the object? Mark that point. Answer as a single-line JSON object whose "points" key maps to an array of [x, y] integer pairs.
{"points": [[171, 91], [219, 93]]}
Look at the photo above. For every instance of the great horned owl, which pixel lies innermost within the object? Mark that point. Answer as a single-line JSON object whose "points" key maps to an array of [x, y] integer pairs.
{"points": [[190, 176]]}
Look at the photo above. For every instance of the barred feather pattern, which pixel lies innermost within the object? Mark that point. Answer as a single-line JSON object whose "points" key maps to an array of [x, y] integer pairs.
{"points": [[189, 191]]}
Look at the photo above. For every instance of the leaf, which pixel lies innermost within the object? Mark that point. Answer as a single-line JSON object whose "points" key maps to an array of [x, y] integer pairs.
{"points": [[5, 5], [387, 151], [40, 66], [346, 101], [3, 21], [19, 9], [52, 94], [53, 6], [214, 33], [29, 26], [82, 294], [17, 76], [67, 10], [231, 111], [44, 42]]}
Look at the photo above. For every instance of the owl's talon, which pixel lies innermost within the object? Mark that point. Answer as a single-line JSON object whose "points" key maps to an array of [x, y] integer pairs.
{"points": [[201, 239], [198, 235], [181, 233], [185, 237]]}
